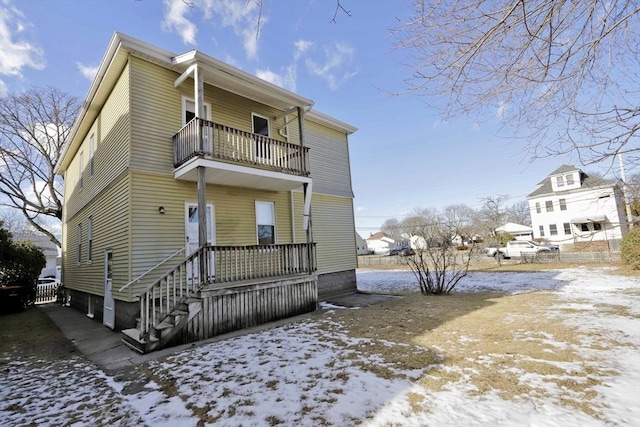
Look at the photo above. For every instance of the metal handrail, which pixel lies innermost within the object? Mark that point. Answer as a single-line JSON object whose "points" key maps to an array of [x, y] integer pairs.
{"points": [[151, 269]]}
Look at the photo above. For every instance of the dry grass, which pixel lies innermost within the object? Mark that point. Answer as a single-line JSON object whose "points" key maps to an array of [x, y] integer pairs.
{"points": [[487, 341]]}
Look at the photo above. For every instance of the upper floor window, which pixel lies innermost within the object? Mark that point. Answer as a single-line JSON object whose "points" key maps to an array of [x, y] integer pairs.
{"points": [[569, 179], [265, 223], [537, 207], [560, 181], [567, 228], [90, 239], [549, 205], [80, 171], [553, 230], [189, 110], [92, 147], [563, 204]]}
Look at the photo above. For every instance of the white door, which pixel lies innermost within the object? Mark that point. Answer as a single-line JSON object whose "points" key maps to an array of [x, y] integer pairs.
{"points": [[191, 232], [108, 311]]}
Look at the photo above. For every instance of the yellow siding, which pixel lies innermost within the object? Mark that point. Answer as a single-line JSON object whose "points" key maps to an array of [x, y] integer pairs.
{"points": [[157, 114], [155, 236], [111, 130], [329, 159], [110, 213], [334, 233]]}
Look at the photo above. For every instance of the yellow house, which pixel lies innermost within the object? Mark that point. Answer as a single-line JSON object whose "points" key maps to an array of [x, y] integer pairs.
{"points": [[163, 137]]}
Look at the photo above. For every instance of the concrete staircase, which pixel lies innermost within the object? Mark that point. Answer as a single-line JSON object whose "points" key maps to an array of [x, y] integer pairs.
{"points": [[160, 334]]}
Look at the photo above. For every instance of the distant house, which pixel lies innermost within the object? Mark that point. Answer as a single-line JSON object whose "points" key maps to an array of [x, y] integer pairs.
{"points": [[381, 243], [201, 199], [577, 211], [518, 231], [361, 245], [49, 249]]}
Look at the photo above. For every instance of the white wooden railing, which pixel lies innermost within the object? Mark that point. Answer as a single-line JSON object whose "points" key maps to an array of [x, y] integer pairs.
{"points": [[204, 138], [223, 265]]}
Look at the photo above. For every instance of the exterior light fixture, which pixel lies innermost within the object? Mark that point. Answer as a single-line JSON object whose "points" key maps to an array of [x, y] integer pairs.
{"points": [[161, 210]]}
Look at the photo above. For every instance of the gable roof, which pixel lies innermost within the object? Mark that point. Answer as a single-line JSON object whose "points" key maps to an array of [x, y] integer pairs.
{"points": [[215, 72], [588, 182], [377, 236]]}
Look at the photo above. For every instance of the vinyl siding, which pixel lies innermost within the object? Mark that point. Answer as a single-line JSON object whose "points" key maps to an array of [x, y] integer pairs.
{"points": [[155, 236], [111, 130], [110, 213], [334, 233], [329, 159], [157, 114]]}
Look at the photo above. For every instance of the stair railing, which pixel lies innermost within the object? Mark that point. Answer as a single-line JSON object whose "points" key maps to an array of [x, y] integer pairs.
{"points": [[137, 279]]}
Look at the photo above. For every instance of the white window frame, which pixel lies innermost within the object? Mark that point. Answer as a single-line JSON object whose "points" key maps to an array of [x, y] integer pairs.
{"points": [[553, 230], [567, 230], [80, 170], [538, 210], [548, 205], [207, 109], [563, 204], [560, 181], [542, 231], [90, 240], [272, 205], [92, 144], [79, 245], [569, 179]]}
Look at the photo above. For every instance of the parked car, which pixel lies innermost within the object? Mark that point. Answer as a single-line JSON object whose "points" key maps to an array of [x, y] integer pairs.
{"points": [[43, 281], [490, 250], [406, 252], [519, 248], [394, 251]]}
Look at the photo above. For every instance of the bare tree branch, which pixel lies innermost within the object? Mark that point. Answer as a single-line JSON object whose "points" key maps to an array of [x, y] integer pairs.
{"points": [[33, 128], [561, 74], [339, 8]]}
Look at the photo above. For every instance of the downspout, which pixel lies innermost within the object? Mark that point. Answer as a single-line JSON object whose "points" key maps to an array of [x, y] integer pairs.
{"points": [[307, 189], [202, 172]]}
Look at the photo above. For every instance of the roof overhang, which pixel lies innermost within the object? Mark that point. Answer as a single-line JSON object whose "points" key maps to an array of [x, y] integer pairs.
{"points": [[215, 73], [587, 219]]}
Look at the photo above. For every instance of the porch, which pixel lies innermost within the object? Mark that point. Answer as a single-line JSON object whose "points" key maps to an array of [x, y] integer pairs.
{"points": [[219, 289]]}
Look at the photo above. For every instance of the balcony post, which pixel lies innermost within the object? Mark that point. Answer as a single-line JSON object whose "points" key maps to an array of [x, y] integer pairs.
{"points": [[307, 192]]}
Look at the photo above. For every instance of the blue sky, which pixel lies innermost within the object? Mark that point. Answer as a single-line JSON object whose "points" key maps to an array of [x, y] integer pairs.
{"points": [[404, 154]]}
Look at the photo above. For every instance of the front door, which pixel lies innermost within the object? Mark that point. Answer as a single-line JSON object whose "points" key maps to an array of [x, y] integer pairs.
{"points": [[191, 233], [108, 311]]}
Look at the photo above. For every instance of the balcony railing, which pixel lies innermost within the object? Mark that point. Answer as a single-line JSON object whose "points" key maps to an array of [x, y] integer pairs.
{"points": [[202, 138]]}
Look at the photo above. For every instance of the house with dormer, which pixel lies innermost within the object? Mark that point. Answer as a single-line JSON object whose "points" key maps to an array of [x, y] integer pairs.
{"points": [[578, 211]]}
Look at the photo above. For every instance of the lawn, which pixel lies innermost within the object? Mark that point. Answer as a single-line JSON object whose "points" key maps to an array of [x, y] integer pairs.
{"points": [[549, 347]]}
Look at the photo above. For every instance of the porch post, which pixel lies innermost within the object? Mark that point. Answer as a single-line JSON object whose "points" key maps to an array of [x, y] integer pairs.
{"points": [[202, 181], [306, 193]]}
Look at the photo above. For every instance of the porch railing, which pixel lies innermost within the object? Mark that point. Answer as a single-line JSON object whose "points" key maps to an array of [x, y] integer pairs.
{"points": [[201, 137], [220, 264]]}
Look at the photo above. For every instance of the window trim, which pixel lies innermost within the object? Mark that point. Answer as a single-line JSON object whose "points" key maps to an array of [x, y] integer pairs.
{"points": [[538, 209], [185, 99], [542, 231], [569, 179], [567, 228], [92, 143], [548, 205], [80, 170], [79, 245], [560, 181], [90, 240], [273, 218], [553, 230], [563, 204]]}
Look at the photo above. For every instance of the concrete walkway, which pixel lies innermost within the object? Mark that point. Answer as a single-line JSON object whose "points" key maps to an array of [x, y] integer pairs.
{"points": [[104, 347]]}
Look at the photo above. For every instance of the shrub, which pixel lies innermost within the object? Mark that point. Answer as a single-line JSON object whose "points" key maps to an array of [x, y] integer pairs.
{"points": [[630, 249]]}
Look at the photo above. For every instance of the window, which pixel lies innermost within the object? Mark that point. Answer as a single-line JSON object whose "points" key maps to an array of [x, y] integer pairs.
{"points": [[92, 144], [79, 243], [189, 110], [549, 205], [542, 231], [560, 181], [537, 207], [567, 228], [260, 126], [89, 239], [265, 221], [563, 204], [80, 162], [597, 226], [584, 227], [569, 179], [553, 230]]}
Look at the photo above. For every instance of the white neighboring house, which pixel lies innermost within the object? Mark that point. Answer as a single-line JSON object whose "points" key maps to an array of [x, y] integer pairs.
{"points": [[49, 249], [518, 231], [381, 243], [577, 211], [361, 245]]}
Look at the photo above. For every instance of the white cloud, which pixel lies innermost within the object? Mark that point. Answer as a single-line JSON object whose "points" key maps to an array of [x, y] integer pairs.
{"points": [[88, 71], [286, 80], [502, 110], [175, 20], [361, 209], [4, 90], [16, 52], [337, 57], [242, 16], [301, 47]]}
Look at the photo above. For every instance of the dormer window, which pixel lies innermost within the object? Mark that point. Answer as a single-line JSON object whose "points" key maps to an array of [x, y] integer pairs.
{"points": [[560, 181], [569, 179]]}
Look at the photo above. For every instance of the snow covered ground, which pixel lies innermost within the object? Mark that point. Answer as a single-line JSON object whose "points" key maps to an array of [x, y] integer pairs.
{"points": [[307, 374]]}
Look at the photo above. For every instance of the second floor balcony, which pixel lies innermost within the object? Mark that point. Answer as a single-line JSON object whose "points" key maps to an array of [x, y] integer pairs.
{"points": [[203, 139]]}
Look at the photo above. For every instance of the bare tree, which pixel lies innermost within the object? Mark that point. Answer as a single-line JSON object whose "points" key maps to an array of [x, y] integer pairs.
{"points": [[492, 213], [563, 74], [519, 213], [460, 221], [33, 127], [437, 265], [392, 227]]}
